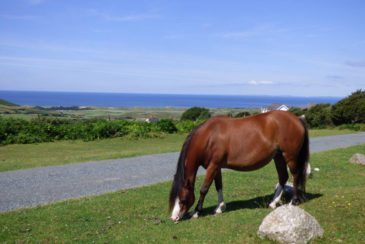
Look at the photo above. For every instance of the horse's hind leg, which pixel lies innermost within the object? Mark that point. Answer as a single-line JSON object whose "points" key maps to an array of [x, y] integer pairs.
{"points": [[209, 177], [298, 193], [219, 186], [280, 165]]}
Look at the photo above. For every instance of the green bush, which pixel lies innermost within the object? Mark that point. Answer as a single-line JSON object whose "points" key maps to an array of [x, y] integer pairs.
{"points": [[297, 111], [186, 126], [45, 130], [319, 116], [196, 113], [165, 125], [242, 114], [350, 109], [139, 130]]}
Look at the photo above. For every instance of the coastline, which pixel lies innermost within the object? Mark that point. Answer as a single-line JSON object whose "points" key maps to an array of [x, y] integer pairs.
{"points": [[135, 100]]}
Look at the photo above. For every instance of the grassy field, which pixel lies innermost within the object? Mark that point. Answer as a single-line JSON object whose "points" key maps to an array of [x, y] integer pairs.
{"points": [[18, 156], [335, 197], [21, 156]]}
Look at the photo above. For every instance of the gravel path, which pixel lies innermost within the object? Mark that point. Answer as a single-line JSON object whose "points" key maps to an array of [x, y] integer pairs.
{"points": [[27, 188]]}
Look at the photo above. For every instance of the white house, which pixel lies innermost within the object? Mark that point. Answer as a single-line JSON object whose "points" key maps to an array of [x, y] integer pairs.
{"points": [[152, 120], [272, 107]]}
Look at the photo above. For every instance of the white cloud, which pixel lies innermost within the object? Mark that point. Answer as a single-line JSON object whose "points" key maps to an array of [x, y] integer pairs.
{"points": [[260, 82]]}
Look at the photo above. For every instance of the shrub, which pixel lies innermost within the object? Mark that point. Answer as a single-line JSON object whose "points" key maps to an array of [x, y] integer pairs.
{"points": [[45, 130], [242, 114], [350, 109], [139, 130], [297, 111], [186, 126], [196, 113], [165, 125], [319, 116]]}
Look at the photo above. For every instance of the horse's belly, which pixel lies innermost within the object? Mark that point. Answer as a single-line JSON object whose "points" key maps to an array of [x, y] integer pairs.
{"points": [[246, 164]]}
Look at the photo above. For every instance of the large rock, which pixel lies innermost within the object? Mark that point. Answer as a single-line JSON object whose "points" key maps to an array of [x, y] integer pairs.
{"points": [[358, 158], [290, 224]]}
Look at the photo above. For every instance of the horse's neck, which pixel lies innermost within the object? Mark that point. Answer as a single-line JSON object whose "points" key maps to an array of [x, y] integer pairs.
{"points": [[190, 174]]}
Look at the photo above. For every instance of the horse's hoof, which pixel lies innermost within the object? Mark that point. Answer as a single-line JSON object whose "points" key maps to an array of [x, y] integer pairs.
{"points": [[195, 215], [220, 209], [272, 205], [295, 201]]}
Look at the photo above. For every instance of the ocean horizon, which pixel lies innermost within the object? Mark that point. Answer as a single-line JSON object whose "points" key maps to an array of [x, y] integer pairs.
{"points": [[67, 99]]}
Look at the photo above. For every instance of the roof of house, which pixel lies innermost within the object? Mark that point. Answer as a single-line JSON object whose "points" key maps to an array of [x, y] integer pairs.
{"points": [[277, 106]]}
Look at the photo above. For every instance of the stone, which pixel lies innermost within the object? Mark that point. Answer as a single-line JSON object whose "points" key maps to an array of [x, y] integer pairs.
{"points": [[290, 224], [358, 158]]}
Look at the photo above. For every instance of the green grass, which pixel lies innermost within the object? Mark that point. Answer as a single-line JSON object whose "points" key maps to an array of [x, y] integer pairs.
{"points": [[336, 200], [21, 156], [330, 132], [18, 156]]}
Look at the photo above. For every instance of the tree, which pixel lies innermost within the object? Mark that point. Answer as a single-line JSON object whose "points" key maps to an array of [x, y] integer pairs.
{"points": [[319, 115], [297, 111], [350, 109], [196, 113]]}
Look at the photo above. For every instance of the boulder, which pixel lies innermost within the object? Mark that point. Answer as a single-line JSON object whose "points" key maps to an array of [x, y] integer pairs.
{"points": [[358, 158], [290, 224]]}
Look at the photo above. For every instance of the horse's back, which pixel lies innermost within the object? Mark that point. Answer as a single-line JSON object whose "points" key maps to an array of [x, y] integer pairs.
{"points": [[248, 143]]}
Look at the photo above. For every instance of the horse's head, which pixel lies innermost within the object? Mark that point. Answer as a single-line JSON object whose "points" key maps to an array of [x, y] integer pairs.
{"points": [[183, 201]]}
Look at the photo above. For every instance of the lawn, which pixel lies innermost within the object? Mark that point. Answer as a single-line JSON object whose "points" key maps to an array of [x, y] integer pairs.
{"points": [[18, 156], [335, 193], [21, 156], [329, 132]]}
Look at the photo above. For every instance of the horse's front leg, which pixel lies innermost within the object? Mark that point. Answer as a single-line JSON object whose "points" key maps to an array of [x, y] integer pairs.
{"points": [[219, 187], [209, 176]]}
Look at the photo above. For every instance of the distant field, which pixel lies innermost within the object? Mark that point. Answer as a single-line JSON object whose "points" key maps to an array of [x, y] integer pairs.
{"points": [[108, 113], [335, 198], [21, 156]]}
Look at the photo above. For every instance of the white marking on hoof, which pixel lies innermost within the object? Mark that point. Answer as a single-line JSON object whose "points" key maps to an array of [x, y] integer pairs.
{"points": [[176, 211], [195, 215], [309, 170], [277, 196], [220, 208], [273, 204]]}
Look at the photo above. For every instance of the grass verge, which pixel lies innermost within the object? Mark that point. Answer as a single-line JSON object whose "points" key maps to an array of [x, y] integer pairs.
{"points": [[330, 132], [23, 156], [335, 193]]}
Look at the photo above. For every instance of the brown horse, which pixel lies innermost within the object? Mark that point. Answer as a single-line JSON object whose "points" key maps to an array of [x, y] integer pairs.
{"points": [[241, 144]]}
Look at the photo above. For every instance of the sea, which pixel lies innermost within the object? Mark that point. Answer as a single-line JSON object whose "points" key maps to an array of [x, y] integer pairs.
{"points": [[67, 99]]}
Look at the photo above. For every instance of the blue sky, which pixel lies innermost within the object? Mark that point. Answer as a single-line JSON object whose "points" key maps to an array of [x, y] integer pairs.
{"points": [[298, 48]]}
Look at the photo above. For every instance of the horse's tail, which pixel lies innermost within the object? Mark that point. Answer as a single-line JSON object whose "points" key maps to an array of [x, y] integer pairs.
{"points": [[179, 175], [303, 158]]}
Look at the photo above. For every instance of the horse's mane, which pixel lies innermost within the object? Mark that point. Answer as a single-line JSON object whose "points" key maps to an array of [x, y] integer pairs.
{"points": [[179, 175]]}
